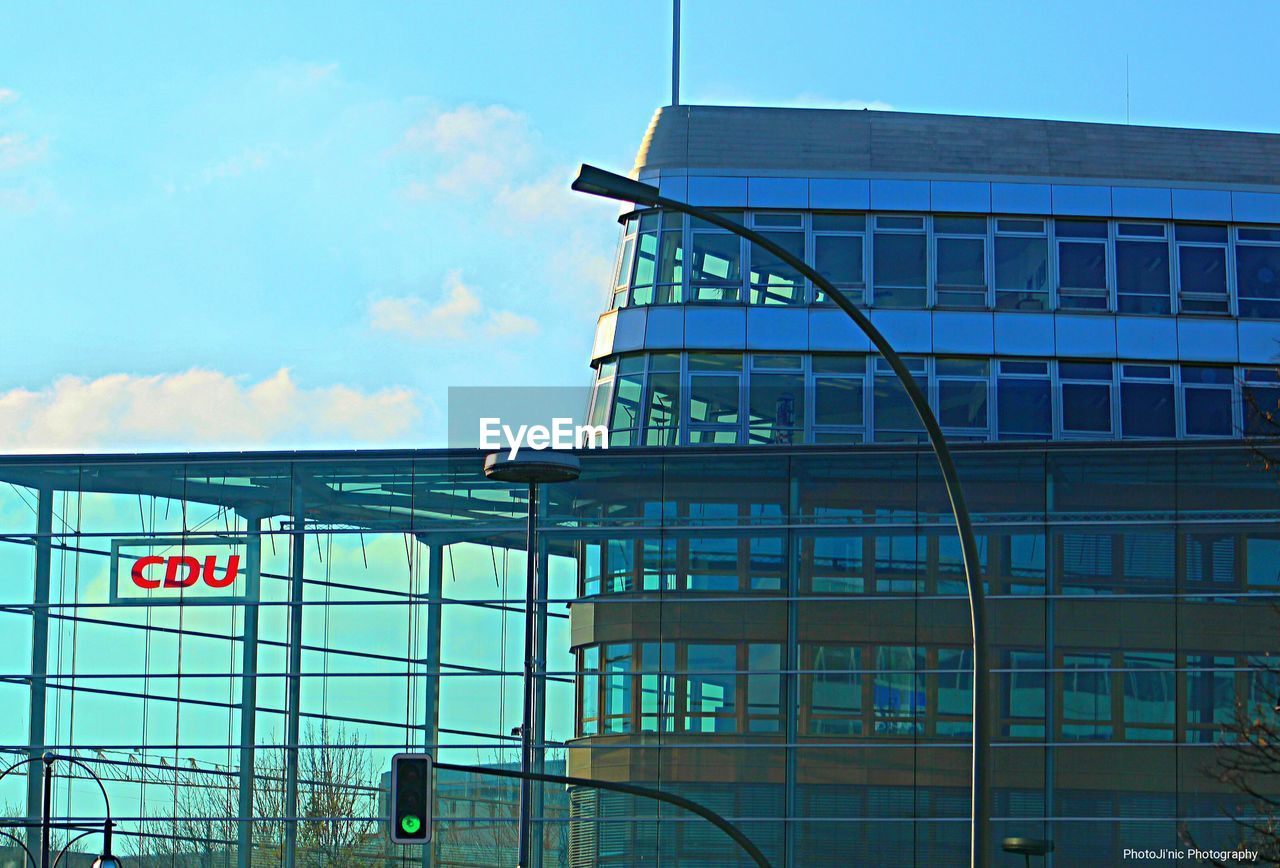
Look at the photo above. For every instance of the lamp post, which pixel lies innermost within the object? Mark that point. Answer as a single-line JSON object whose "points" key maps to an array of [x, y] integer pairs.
{"points": [[543, 467], [599, 182], [47, 825]]}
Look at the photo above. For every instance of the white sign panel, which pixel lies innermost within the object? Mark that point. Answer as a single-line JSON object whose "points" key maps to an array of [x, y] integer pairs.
{"points": [[157, 571]]}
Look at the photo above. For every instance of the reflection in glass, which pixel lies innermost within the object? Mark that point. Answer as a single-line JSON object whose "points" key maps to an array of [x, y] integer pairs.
{"points": [[1022, 272], [772, 280], [1086, 696], [1202, 278], [835, 691], [1258, 280], [901, 262], [1142, 276]]}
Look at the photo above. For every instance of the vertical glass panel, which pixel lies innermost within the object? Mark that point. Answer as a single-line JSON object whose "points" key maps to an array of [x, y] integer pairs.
{"points": [[616, 715], [833, 564], [764, 687], [1211, 697], [898, 690], [624, 262], [1022, 273], [662, 414], [1260, 396], [628, 390], [1146, 409], [1262, 560], [955, 692], [838, 258], [962, 403], [1207, 400], [1142, 277], [896, 419], [1082, 264], [777, 408], [837, 401], [657, 687], [716, 270], [711, 692], [1258, 280], [1024, 695], [589, 690], [1202, 276], [713, 400], [961, 272], [1025, 409], [1086, 696], [670, 268], [1086, 407], [835, 691], [772, 280], [901, 263], [1149, 696]]}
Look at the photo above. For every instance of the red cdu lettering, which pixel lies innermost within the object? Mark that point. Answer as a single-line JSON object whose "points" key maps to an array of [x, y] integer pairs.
{"points": [[228, 576], [171, 573], [137, 573]]}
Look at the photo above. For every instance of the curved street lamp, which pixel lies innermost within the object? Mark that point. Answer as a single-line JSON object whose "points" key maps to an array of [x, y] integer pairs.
{"points": [[609, 185], [106, 860]]}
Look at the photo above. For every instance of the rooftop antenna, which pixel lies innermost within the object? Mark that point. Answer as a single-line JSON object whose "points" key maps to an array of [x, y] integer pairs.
{"points": [[675, 53], [1126, 90]]}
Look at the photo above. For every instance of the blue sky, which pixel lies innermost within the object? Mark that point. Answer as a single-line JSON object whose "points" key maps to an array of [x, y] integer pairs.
{"points": [[294, 225]]}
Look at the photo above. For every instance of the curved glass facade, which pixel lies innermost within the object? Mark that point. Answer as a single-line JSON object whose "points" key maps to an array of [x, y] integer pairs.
{"points": [[950, 261], [774, 398]]}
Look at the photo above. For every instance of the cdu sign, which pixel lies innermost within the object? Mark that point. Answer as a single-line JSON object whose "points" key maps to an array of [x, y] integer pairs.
{"points": [[169, 570]]}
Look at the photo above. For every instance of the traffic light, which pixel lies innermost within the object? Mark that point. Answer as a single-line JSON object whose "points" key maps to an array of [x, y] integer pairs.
{"points": [[410, 821]]}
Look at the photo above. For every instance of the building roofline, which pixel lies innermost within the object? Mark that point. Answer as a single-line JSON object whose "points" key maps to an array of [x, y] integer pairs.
{"points": [[867, 142]]}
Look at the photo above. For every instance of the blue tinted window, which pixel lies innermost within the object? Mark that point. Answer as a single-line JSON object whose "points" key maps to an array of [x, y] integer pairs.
{"points": [[1142, 276], [1084, 370], [1024, 407], [962, 403], [1146, 409], [1086, 696], [1258, 279], [1208, 233], [1086, 407], [1260, 405], [1207, 412]]}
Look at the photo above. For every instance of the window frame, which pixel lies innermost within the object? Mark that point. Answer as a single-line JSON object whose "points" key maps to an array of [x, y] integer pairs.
{"points": [[874, 285], [1228, 267], [1045, 234], [934, 298], [1107, 292]]}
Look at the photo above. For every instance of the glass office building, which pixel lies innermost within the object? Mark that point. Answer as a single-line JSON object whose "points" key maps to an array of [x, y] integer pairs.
{"points": [[754, 598]]}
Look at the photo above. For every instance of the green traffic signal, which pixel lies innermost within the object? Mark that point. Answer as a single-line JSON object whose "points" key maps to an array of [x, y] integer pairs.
{"points": [[410, 823]]}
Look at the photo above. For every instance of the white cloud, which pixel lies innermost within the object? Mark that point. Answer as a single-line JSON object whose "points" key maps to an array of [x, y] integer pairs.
{"points": [[470, 149], [17, 150], [196, 408], [459, 315], [245, 161], [8, 95]]}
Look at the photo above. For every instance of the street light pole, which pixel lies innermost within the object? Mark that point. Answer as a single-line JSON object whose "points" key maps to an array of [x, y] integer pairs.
{"points": [[544, 468], [598, 182]]}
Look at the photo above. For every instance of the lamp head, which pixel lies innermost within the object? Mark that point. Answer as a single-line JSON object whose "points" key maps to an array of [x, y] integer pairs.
{"points": [[529, 465], [1027, 846], [598, 182]]}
